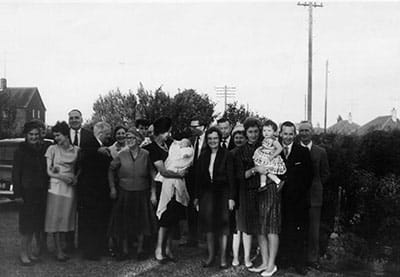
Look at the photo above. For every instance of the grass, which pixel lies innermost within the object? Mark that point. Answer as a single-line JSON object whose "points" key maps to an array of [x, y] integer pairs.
{"points": [[189, 260]]}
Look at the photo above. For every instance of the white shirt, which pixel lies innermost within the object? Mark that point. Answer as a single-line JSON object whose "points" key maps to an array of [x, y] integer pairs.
{"points": [[200, 144], [211, 167], [72, 135], [227, 140], [308, 145]]}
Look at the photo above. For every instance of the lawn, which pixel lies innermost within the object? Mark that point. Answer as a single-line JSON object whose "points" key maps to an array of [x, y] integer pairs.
{"points": [[189, 261]]}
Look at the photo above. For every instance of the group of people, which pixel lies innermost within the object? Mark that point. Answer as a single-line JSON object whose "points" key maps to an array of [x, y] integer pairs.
{"points": [[230, 183]]}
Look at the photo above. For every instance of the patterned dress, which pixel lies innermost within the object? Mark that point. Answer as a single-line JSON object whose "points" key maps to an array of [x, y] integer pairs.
{"points": [[263, 154], [258, 212]]}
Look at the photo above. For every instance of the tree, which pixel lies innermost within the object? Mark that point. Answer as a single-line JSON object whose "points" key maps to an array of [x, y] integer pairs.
{"points": [[189, 104], [115, 108], [153, 105], [236, 113]]}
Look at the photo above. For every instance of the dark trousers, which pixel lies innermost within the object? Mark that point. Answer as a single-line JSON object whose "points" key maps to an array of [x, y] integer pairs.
{"points": [[193, 226], [313, 233], [294, 235], [93, 225]]}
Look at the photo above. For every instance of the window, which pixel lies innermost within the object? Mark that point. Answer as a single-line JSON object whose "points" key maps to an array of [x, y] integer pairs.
{"points": [[38, 114], [33, 113]]}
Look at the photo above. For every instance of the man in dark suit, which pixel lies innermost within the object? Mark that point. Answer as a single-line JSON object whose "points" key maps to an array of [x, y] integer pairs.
{"points": [[320, 176], [225, 126], [294, 204], [94, 203], [197, 129], [84, 139]]}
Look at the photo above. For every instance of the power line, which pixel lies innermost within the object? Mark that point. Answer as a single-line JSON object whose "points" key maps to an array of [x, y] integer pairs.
{"points": [[225, 92], [310, 6]]}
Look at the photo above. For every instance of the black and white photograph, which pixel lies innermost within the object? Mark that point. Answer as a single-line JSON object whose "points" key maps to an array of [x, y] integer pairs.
{"points": [[196, 138]]}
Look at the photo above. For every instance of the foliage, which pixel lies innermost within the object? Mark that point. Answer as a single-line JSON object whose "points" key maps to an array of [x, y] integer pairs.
{"points": [[115, 108], [188, 104], [236, 113]]}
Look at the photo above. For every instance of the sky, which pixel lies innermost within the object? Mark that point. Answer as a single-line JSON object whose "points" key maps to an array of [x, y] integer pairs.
{"points": [[75, 51]]}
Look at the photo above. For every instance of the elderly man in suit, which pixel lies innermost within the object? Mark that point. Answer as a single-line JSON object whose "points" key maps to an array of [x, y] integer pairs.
{"points": [[294, 202], [94, 203], [320, 176]]}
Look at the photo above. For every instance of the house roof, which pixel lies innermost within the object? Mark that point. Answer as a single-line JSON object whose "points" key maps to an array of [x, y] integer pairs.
{"points": [[343, 127], [380, 123], [21, 97]]}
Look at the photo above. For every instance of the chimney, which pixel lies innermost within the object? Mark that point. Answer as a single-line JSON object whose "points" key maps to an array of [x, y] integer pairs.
{"points": [[394, 115], [350, 118], [3, 84]]}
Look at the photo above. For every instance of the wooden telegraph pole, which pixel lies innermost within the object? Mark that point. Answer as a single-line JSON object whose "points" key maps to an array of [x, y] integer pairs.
{"points": [[310, 6], [326, 95], [225, 92]]}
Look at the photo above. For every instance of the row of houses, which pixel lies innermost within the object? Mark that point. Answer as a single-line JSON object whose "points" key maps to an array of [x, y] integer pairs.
{"points": [[382, 123]]}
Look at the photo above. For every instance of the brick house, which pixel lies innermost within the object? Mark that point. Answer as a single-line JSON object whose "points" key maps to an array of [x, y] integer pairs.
{"points": [[17, 106]]}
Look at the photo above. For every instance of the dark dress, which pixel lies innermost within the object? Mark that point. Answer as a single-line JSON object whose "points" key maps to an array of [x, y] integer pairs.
{"points": [[175, 211], [30, 181], [214, 192], [258, 212]]}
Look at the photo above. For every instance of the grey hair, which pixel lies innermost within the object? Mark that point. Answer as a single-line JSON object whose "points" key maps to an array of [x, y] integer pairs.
{"points": [[100, 127]]}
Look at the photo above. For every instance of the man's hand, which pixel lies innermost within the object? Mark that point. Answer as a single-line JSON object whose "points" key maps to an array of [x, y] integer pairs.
{"points": [[153, 199], [196, 204], [104, 151], [231, 204]]}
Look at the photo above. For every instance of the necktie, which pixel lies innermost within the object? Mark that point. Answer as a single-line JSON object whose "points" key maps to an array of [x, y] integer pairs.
{"points": [[76, 142], [224, 143], [196, 148], [286, 151]]}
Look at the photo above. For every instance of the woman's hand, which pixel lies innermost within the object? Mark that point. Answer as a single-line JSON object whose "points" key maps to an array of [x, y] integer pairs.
{"points": [[153, 199], [231, 204], [113, 193], [196, 204]]}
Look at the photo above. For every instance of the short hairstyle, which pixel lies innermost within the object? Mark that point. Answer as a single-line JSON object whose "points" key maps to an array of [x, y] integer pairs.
{"points": [[212, 130], [271, 123], [223, 119], [238, 131], [142, 121], [31, 125], [100, 127], [306, 122], [181, 134], [135, 133], [162, 125], [118, 128], [61, 127], [288, 124], [201, 123], [251, 122], [75, 110]]}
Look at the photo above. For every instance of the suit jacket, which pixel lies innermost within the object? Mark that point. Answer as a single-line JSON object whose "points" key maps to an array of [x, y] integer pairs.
{"points": [[190, 177], [93, 189], [87, 139], [223, 173], [298, 177], [320, 165], [231, 144]]}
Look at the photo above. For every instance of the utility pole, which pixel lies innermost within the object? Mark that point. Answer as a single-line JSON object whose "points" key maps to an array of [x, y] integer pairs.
{"points": [[310, 6], [225, 92], [326, 94], [305, 106]]}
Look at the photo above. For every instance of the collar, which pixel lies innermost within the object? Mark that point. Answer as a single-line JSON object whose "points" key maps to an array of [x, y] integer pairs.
{"points": [[308, 145], [99, 141]]}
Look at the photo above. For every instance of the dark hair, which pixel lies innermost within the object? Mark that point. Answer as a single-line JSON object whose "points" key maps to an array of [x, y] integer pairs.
{"points": [[75, 110], [61, 127], [223, 119], [162, 125], [251, 122], [288, 124], [31, 125], [142, 121], [212, 130], [201, 123], [181, 134], [270, 123], [118, 128]]}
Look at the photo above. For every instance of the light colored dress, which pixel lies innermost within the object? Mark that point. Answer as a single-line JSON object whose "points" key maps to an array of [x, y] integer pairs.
{"points": [[262, 156], [61, 199]]}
